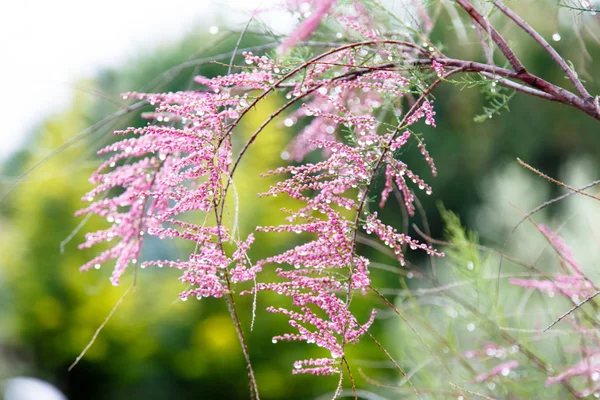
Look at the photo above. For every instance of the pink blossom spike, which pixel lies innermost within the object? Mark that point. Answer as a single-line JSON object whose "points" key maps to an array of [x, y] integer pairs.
{"points": [[308, 26]]}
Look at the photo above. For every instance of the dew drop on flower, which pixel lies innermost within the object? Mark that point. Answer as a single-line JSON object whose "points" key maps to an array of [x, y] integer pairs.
{"points": [[274, 340], [97, 266], [288, 122]]}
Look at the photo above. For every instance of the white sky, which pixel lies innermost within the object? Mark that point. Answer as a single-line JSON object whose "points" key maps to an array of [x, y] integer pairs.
{"points": [[47, 46]]}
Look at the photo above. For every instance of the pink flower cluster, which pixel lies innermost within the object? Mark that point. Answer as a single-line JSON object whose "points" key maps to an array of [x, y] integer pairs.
{"points": [[395, 240], [574, 286], [326, 268], [588, 369], [178, 168], [167, 171]]}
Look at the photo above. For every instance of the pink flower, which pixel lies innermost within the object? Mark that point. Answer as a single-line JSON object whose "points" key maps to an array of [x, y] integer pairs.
{"points": [[308, 26], [500, 369]]}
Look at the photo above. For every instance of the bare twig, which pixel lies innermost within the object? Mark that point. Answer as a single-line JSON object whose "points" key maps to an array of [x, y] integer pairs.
{"points": [[563, 316], [95, 336], [559, 183]]}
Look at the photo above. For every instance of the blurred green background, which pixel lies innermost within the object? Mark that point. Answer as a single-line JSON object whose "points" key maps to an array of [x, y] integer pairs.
{"points": [[157, 347]]}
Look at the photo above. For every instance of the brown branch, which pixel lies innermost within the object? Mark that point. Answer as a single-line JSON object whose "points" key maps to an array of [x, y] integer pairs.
{"points": [[521, 88], [546, 46], [512, 58], [558, 93]]}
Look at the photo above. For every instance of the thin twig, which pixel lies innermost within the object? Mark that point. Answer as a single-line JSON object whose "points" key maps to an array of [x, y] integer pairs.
{"points": [[110, 314], [462, 389], [559, 183], [398, 367], [556, 321]]}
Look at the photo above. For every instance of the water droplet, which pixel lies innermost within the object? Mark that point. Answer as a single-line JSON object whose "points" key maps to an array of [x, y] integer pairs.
{"points": [[97, 266], [213, 30], [288, 122], [556, 37], [471, 327], [470, 266], [285, 155], [339, 35], [274, 340]]}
